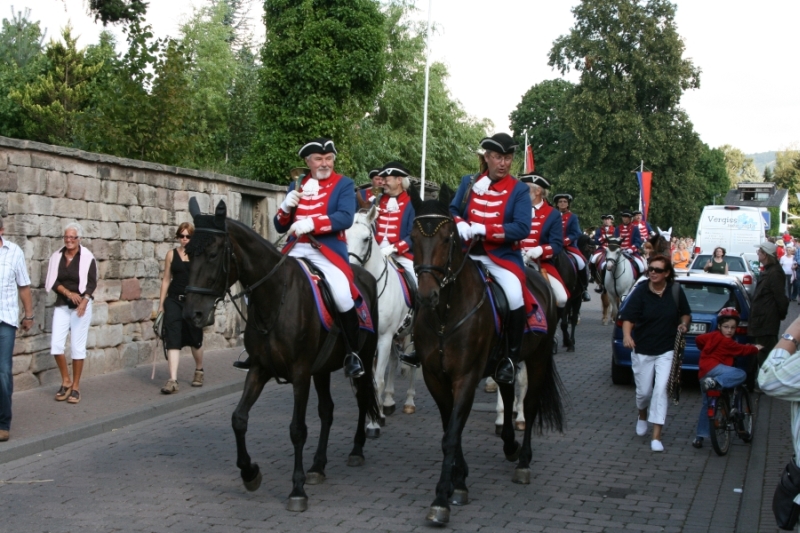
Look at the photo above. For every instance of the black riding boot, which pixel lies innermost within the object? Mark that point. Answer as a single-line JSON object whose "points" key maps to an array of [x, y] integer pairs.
{"points": [[507, 367], [583, 276], [242, 365], [353, 368], [410, 359]]}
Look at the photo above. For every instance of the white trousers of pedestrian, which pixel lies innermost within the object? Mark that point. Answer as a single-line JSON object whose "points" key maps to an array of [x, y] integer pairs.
{"points": [[558, 291], [651, 374], [506, 279], [337, 281], [66, 320], [578, 259], [406, 263]]}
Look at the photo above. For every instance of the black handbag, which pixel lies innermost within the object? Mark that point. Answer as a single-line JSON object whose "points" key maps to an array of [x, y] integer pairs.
{"points": [[786, 511]]}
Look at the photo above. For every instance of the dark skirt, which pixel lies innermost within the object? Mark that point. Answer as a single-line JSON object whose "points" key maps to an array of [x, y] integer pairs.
{"points": [[178, 332]]}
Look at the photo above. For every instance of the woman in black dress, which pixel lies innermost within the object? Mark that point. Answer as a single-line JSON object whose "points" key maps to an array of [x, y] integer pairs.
{"points": [[177, 332]]}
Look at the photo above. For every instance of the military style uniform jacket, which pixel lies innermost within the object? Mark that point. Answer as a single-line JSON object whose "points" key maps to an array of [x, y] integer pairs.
{"points": [[394, 226]]}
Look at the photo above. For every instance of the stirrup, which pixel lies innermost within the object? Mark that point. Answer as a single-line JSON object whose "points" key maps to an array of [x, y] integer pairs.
{"points": [[410, 359], [501, 373], [586, 297], [353, 367]]}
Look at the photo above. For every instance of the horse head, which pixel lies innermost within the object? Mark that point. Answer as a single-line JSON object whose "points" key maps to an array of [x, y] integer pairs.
{"points": [[613, 253], [210, 272], [436, 244], [360, 235]]}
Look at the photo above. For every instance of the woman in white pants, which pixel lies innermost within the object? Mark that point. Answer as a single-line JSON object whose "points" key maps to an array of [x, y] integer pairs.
{"points": [[651, 317], [72, 274]]}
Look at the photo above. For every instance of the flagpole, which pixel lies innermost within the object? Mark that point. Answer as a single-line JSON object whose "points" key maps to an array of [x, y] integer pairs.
{"points": [[525, 158], [641, 206], [425, 105]]}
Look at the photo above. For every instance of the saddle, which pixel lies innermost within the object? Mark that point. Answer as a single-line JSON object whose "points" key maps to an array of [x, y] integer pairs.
{"points": [[537, 321], [407, 283]]}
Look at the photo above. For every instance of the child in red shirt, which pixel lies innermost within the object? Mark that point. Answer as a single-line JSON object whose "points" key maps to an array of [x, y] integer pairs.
{"points": [[717, 350]]}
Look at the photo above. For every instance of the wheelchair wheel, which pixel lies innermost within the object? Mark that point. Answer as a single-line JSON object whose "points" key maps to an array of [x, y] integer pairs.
{"points": [[718, 424]]}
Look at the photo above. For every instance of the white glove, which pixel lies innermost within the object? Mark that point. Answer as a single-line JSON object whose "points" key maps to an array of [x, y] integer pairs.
{"points": [[464, 231], [291, 201], [384, 243], [477, 229], [482, 185], [534, 253], [301, 227], [389, 250]]}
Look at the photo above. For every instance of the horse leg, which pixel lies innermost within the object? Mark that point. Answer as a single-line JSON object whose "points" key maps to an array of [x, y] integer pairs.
{"points": [[519, 400], [573, 322], [368, 404], [298, 500], [322, 384], [384, 350], [563, 318], [389, 405], [500, 410], [253, 385], [510, 445], [409, 407]]}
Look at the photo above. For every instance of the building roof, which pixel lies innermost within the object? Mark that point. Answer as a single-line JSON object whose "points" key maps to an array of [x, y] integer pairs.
{"points": [[756, 195]]}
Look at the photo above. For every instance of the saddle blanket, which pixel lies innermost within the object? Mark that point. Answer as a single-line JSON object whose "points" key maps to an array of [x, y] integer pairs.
{"points": [[325, 316], [537, 321], [403, 284]]}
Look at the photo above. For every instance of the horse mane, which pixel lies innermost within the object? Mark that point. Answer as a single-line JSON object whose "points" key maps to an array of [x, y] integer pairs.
{"points": [[201, 239]]}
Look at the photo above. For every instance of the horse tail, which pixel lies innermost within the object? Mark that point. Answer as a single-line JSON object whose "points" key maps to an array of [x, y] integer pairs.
{"points": [[549, 393], [366, 392]]}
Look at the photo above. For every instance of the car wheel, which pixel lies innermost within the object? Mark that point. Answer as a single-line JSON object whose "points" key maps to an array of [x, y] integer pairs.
{"points": [[620, 375]]}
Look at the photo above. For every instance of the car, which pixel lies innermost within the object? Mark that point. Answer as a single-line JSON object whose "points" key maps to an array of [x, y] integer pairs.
{"points": [[707, 294], [740, 266], [755, 264]]}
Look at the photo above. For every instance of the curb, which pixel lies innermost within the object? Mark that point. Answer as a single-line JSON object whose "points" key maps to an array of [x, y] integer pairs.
{"points": [[19, 449]]}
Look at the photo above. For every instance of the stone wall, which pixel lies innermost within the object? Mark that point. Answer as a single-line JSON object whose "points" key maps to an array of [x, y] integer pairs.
{"points": [[129, 211]]}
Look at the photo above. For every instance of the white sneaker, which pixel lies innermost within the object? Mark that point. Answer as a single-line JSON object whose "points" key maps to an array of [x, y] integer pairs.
{"points": [[641, 427], [656, 446]]}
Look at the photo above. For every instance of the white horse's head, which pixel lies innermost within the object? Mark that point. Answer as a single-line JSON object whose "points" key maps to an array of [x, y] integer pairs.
{"points": [[360, 237], [667, 234]]}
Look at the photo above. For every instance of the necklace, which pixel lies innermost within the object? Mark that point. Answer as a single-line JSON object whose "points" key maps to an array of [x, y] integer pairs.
{"points": [[658, 292]]}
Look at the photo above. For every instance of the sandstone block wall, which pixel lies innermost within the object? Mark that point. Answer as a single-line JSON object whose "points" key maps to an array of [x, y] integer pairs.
{"points": [[129, 211]]}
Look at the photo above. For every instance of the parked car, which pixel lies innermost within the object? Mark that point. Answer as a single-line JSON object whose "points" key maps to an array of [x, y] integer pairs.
{"points": [[739, 266], [755, 264], [707, 294]]}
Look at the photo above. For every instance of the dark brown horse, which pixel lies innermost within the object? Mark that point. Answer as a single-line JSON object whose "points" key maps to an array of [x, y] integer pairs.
{"points": [[283, 336], [569, 314], [454, 334]]}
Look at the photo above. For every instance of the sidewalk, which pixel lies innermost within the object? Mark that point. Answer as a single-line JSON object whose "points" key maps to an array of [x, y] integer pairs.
{"points": [[113, 400]]}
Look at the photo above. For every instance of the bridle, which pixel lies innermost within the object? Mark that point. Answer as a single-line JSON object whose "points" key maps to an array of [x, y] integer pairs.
{"points": [[446, 272], [363, 260]]}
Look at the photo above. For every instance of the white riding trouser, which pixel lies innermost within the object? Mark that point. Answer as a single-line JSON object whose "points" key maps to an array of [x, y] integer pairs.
{"points": [[558, 291], [66, 320], [651, 374], [507, 280], [579, 260], [337, 281], [406, 263], [639, 260]]}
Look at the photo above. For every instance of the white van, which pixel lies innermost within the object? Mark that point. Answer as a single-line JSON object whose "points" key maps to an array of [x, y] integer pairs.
{"points": [[738, 229]]}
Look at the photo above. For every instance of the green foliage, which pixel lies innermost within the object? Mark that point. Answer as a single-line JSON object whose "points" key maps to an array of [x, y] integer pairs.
{"points": [[111, 11], [541, 113], [392, 130], [768, 175], [323, 64], [626, 109], [713, 173], [740, 167], [774, 221], [52, 103]]}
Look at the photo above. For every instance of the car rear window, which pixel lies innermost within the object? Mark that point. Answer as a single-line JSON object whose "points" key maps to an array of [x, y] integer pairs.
{"points": [[735, 264], [709, 297]]}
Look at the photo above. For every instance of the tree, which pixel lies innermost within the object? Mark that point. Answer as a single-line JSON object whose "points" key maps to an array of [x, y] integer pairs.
{"points": [[112, 11], [740, 167], [53, 101], [540, 113], [713, 173], [625, 109], [768, 174], [322, 66], [392, 130]]}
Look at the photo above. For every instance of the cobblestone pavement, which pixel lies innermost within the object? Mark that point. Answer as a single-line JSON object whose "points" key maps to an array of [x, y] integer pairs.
{"points": [[177, 472]]}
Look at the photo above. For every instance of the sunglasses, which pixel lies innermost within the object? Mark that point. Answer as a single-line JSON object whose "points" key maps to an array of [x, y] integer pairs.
{"points": [[656, 270], [184, 236]]}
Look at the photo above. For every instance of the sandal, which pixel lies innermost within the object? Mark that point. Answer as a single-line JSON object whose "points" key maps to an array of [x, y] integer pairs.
{"points": [[170, 387], [63, 393], [197, 381], [74, 397]]}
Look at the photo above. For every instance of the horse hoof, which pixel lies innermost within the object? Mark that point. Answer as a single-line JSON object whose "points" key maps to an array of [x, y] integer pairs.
{"points": [[254, 483], [355, 460], [498, 430], [522, 476], [315, 478], [490, 387], [409, 409], [514, 457], [297, 504], [381, 421], [373, 433], [388, 410], [438, 515], [520, 426], [460, 497]]}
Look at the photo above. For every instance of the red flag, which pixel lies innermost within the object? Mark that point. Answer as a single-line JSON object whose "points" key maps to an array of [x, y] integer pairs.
{"points": [[529, 163]]}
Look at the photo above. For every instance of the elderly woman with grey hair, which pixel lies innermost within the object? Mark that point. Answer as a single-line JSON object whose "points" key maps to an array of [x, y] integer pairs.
{"points": [[72, 274]]}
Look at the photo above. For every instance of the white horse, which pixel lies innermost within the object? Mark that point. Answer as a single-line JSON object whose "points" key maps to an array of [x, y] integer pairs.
{"points": [[392, 310], [619, 277]]}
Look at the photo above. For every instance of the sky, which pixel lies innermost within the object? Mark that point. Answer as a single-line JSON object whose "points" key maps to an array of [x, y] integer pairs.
{"points": [[495, 51]]}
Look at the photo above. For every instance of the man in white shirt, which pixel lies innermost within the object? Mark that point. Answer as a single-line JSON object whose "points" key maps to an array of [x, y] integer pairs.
{"points": [[15, 285]]}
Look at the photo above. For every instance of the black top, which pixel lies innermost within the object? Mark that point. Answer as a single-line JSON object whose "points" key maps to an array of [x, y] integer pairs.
{"points": [[655, 318], [180, 275], [69, 278], [769, 304]]}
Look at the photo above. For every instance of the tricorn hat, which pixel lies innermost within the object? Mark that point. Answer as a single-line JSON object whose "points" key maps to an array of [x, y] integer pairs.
{"points": [[606, 217], [394, 168], [320, 145], [562, 195], [502, 143], [374, 173], [625, 214], [637, 212], [535, 179]]}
